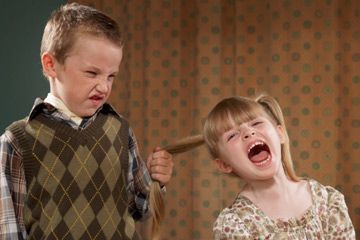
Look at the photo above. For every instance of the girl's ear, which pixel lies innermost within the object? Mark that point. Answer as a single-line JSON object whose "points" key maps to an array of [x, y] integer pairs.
{"points": [[282, 134], [48, 64], [223, 166]]}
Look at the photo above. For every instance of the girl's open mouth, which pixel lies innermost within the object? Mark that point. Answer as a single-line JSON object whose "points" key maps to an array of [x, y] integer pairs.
{"points": [[259, 153]]}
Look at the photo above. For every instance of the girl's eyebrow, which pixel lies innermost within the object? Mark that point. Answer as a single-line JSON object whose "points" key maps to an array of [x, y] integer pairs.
{"points": [[231, 129]]}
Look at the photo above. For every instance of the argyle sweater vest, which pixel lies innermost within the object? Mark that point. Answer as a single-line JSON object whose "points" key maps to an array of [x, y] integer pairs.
{"points": [[76, 179]]}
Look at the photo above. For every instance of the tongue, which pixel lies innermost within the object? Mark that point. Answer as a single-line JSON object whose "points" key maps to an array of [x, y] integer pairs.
{"points": [[261, 156]]}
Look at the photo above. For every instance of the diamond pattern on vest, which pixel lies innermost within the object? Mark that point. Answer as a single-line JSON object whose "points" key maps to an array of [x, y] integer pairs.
{"points": [[78, 191]]}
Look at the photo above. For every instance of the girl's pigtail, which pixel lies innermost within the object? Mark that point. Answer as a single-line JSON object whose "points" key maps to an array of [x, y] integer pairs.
{"points": [[157, 208], [157, 201], [273, 108]]}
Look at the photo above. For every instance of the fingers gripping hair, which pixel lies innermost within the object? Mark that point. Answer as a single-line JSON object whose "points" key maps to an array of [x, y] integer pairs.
{"points": [[157, 201]]}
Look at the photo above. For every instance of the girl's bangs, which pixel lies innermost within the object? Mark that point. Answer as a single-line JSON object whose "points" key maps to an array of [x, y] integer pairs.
{"points": [[229, 113]]}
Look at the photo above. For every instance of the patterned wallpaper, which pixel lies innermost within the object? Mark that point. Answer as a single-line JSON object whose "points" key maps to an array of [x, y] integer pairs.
{"points": [[182, 57]]}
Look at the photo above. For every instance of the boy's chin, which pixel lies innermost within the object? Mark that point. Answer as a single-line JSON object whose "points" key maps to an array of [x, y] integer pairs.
{"points": [[87, 114]]}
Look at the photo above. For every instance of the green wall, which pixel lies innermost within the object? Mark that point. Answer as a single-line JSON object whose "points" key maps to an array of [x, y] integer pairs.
{"points": [[21, 80]]}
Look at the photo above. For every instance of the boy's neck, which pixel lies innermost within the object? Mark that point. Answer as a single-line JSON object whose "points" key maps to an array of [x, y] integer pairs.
{"points": [[61, 107]]}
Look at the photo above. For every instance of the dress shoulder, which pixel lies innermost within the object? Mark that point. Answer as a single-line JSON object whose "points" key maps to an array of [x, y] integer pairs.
{"points": [[332, 210], [327, 195]]}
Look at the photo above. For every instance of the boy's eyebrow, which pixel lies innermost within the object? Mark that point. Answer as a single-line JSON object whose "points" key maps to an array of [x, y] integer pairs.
{"points": [[99, 70], [90, 65], [93, 68]]}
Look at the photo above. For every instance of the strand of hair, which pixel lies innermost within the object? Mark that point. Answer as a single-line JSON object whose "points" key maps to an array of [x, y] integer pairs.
{"points": [[157, 201]]}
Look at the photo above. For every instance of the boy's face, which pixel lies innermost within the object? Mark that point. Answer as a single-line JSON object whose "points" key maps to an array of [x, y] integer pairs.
{"points": [[83, 82]]}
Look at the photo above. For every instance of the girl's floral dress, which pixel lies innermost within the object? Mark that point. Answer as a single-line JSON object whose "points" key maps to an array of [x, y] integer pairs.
{"points": [[327, 218]]}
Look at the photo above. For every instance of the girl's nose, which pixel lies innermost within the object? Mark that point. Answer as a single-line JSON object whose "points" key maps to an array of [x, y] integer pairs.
{"points": [[248, 134]]}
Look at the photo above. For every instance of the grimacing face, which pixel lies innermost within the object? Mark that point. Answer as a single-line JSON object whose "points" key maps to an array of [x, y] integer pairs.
{"points": [[84, 81]]}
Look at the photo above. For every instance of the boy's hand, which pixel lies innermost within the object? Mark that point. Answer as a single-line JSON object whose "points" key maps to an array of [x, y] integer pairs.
{"points": [[160, 164]]}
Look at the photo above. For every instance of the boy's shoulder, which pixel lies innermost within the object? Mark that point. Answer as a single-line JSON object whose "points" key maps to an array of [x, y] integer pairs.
{"points": [[17, 124]]}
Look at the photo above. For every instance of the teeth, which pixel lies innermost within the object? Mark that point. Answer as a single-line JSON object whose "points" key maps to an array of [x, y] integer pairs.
{"points": [[255, 144]]}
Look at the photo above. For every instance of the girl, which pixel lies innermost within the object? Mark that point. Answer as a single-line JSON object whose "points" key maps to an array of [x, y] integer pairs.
{"points": [[248, 138]]}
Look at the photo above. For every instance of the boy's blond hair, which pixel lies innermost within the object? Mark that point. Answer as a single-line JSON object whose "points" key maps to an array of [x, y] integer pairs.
{"points": [[69, 22]]}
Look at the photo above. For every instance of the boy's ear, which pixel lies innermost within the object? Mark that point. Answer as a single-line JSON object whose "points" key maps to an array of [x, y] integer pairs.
{"points": [[48, 64], [223, 166]]}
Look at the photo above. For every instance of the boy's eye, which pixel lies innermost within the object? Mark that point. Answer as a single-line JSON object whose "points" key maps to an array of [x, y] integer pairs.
{"points": [[111, 77], [91, 73]]}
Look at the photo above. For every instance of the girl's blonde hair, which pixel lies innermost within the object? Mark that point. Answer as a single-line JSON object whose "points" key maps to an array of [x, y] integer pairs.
{"points": [[241, 110], [220, 119], [157, 201]]}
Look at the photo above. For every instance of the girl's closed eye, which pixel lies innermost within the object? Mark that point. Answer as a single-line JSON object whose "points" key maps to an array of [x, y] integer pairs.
{"points": [[256, 123], [231, 135]]}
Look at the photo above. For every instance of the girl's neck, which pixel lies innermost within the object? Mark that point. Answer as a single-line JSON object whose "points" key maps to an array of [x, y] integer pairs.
{"points": [[279, 197], [278, 186]]}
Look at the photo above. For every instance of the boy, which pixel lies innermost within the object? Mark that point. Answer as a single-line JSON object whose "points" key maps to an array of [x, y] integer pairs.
{"points": [[71, 169]]}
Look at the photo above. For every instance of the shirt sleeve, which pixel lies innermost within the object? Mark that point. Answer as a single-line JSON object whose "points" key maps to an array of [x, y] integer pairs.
{"points": [[339, 224], [12, 189], [139, 181]]}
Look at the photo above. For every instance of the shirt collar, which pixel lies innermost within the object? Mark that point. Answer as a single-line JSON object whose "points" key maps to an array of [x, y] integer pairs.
{"points": [[40, 106], [61, 107]]}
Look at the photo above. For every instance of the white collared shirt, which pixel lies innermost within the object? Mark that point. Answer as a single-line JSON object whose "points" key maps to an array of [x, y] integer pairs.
{"points": [[61, 107]]}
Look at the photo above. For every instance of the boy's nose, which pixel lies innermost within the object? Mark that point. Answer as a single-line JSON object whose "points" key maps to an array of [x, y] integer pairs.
{"points": [[102, 86]]}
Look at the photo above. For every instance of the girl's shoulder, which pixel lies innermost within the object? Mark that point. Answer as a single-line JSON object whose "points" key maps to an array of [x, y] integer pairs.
{"points": [[331, 208], [325, 195]]}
